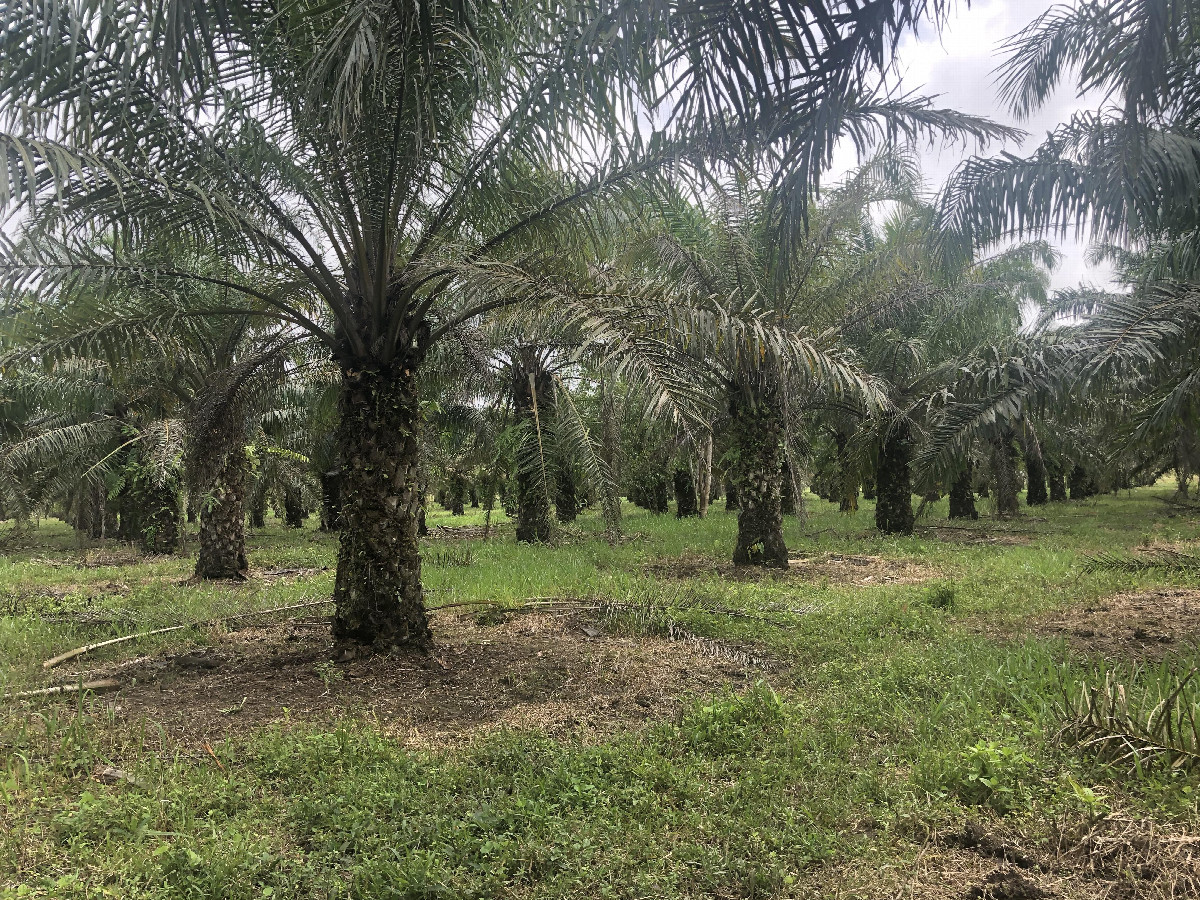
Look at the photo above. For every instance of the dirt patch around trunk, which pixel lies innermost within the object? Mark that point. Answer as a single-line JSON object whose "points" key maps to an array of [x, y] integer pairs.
{"points": [[835, 568], [1145, 625], [559, 674]]}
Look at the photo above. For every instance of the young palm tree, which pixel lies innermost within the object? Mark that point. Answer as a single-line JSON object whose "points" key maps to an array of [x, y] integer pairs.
{"points": [[104, 441]]}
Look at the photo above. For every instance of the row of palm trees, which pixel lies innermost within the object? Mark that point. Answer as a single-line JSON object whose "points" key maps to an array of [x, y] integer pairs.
{"points": [[371, 236]]}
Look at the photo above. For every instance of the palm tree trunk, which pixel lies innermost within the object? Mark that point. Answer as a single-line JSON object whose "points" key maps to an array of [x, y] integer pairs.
{"points": [[756, 430], [685, 494], [566, 500], [457, 495], [705, 486], [610, 450], [1004, 472], [787, 491], [330, 500], [159, 515], [733, 501], [1083, 485], [89, 512], [962, 498], [377, 592], [258, 505], [868, 487], [223, 522], [1035, 471], [893, 480], [293, 507], [847, 483], [531, 388], [99, 523], [1058, 484]]}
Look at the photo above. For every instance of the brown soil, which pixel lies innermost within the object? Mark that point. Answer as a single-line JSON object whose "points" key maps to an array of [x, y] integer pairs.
{"points": [[532, 671], [1144, 625], [836, 568], [1113, 859]]}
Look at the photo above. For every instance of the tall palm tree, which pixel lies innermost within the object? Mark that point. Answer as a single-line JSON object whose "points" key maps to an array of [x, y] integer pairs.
{"points": [[395, 168], [941, 311], [769, 337]]}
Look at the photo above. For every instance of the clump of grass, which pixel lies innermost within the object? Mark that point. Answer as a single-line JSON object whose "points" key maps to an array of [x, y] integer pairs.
{"points": [[941, 596], [450, 557]]}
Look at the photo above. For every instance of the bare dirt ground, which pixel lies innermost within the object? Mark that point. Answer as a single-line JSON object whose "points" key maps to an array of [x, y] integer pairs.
{"points": [[554, 673], [836, 568], [1112, 859], [1145, 625]]}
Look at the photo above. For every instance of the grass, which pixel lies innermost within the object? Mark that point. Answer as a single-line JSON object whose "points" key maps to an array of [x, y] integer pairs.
{"points": [[897, 718]]}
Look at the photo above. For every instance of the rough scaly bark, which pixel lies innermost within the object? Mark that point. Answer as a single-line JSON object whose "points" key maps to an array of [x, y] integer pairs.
{"points": [[331, 500], [378, 590], [223, 521], [457, 495], [962, 498], [893, 480], [293, 507], [258, 506], [704, 488], [90, 511], [787, 491], [610, 453], [755, 466], [1083, 485], [1057, 482], [566, 500], [159, 515], [685, 494], [1004, 473], [732, 500], [868, 487], [1035, 472], [847, 483]]}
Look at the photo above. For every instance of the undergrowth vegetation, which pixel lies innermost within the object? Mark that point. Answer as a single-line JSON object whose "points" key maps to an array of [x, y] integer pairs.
{"points": [[889, 717]]}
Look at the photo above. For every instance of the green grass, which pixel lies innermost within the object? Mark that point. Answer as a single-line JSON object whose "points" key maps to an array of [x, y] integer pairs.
{"points": [[895, 719]]}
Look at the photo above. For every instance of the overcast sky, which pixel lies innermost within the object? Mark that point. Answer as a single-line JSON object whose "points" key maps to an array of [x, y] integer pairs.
{"points": [[957, 65]]}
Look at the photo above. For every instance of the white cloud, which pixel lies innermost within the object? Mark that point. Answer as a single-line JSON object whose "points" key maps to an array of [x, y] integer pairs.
{"points": [[958, 66]]}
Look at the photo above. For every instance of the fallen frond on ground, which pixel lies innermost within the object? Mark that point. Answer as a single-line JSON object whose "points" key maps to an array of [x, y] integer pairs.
{"points": [[1155, 561], [1157, 727], [207, 623]]}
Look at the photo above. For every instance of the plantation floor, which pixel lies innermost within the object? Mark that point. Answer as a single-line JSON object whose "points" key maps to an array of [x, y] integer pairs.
{"points": [[888, 717]]}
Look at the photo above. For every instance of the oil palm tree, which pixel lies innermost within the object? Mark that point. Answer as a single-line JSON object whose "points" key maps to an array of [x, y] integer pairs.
{"points": [[769, 339], [388, 171], [107, 443], [1127, 175]]}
